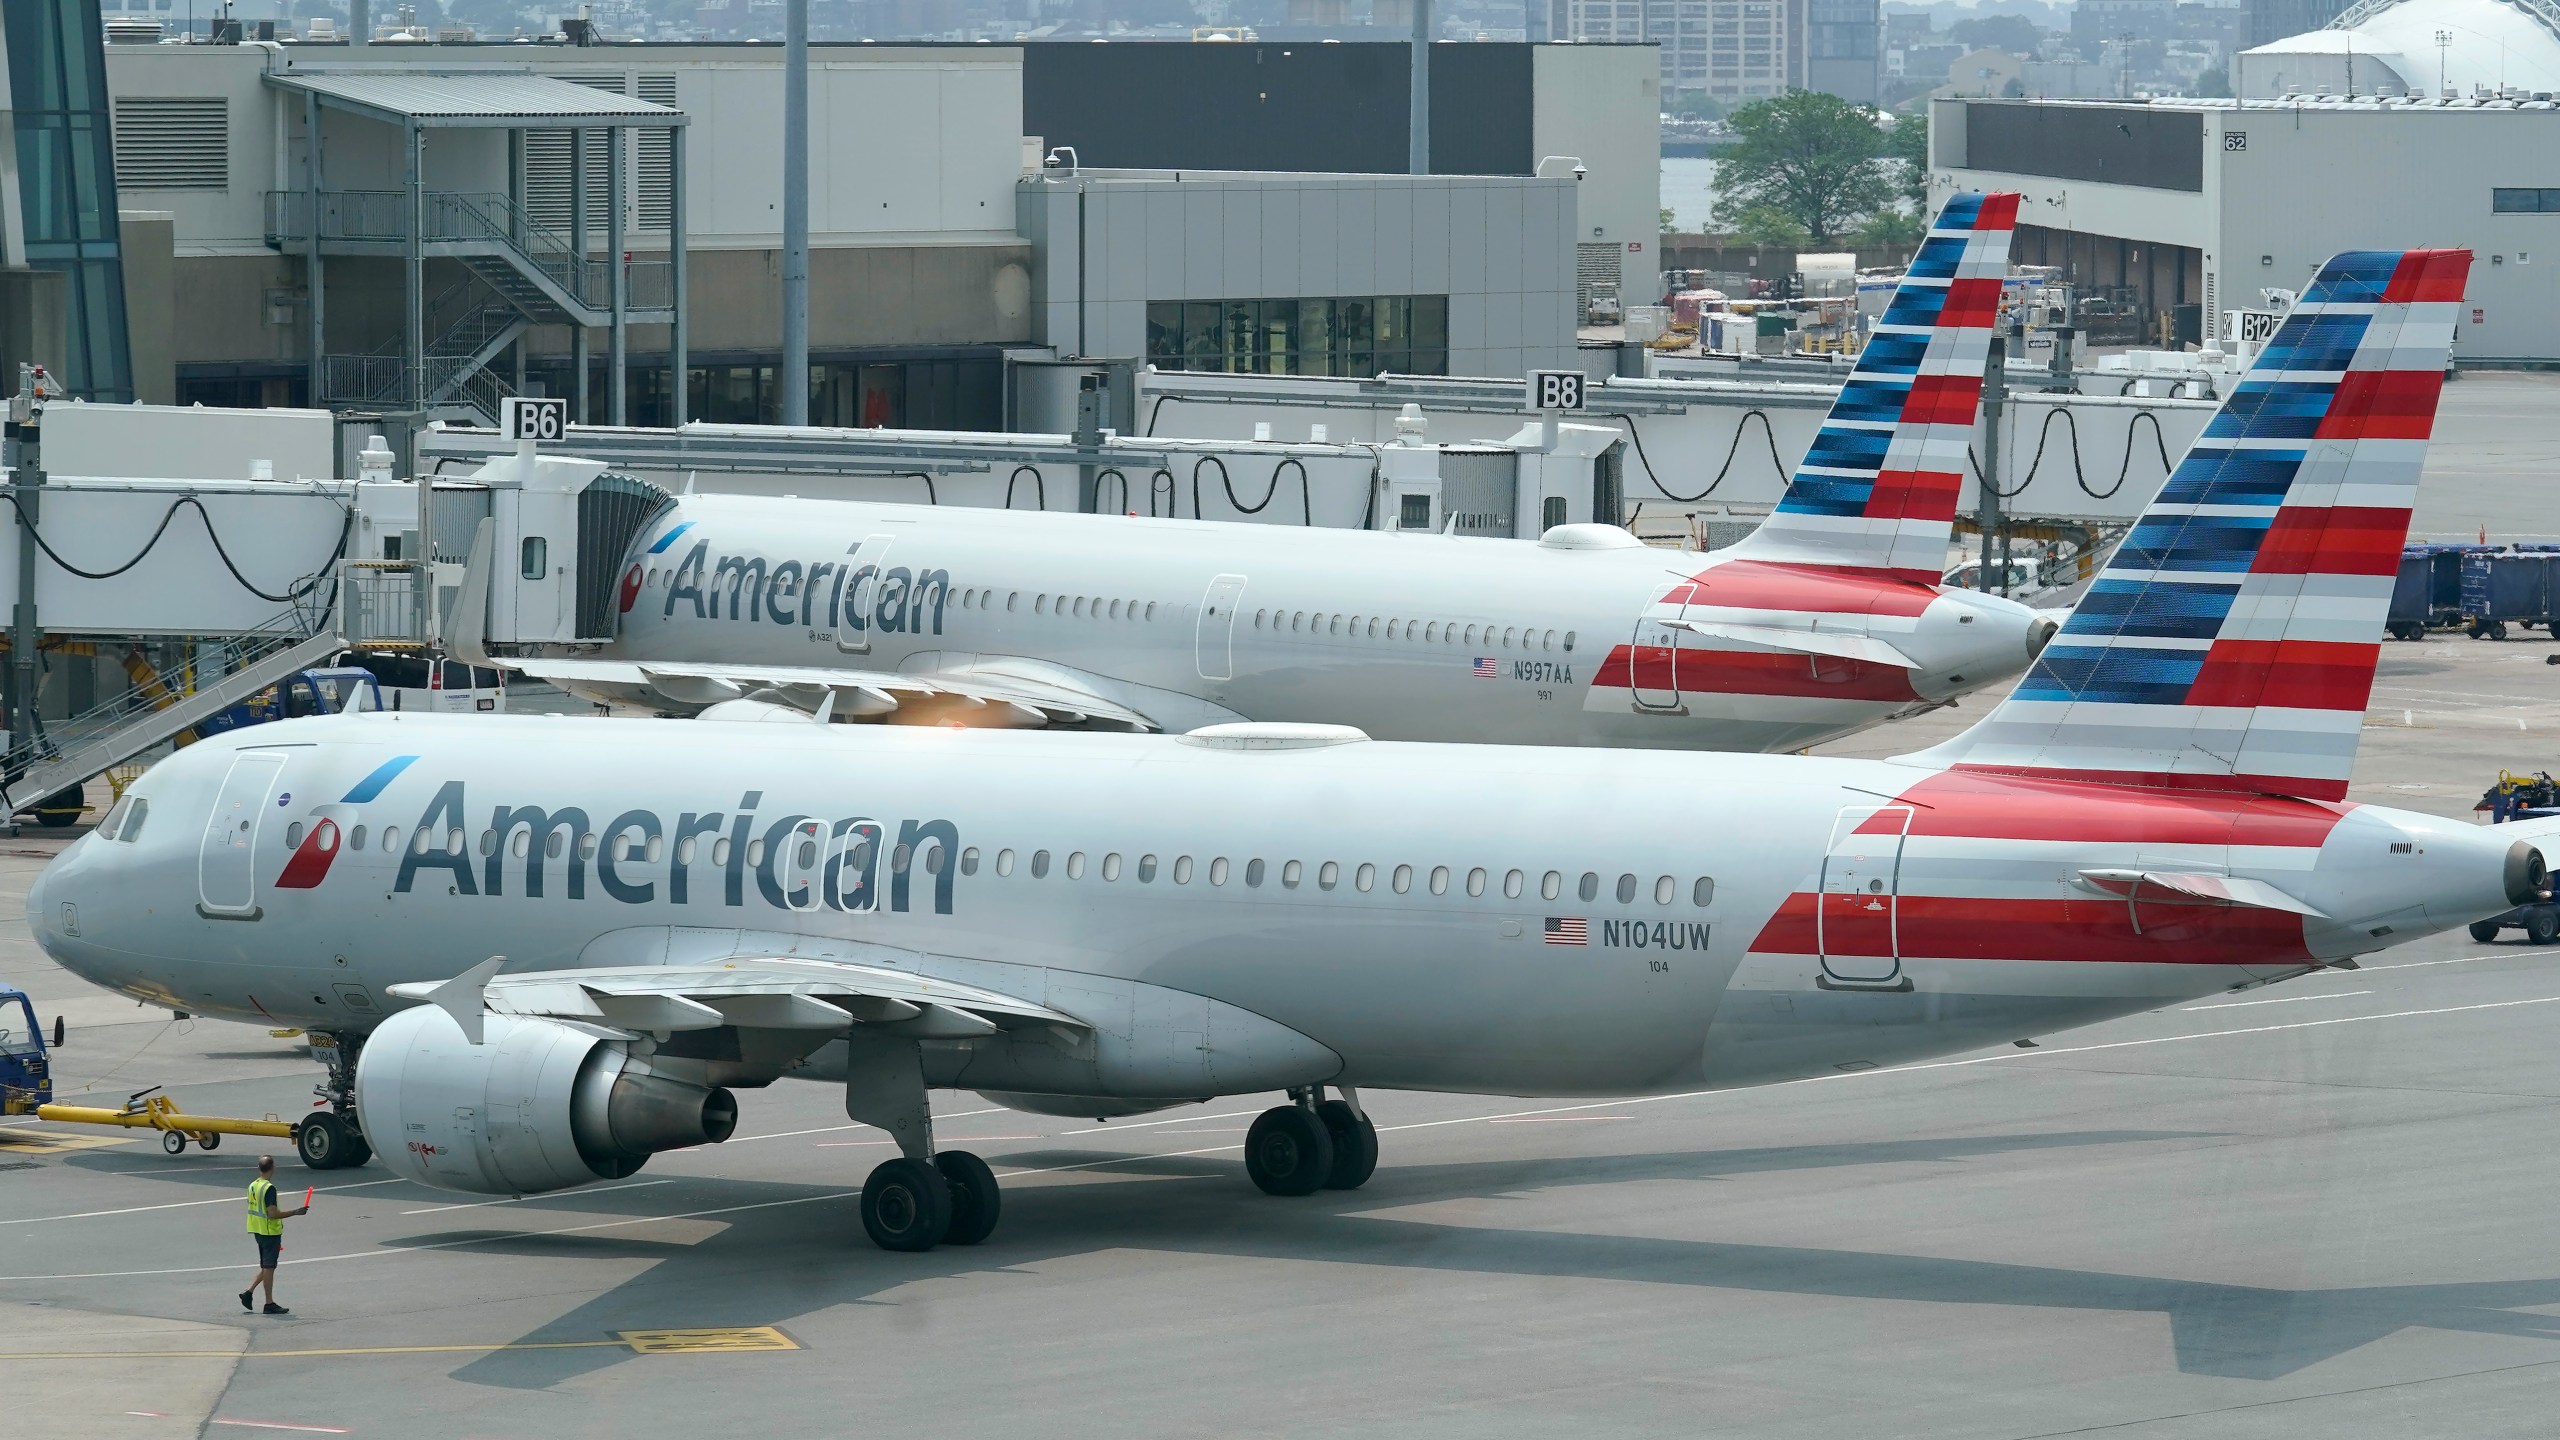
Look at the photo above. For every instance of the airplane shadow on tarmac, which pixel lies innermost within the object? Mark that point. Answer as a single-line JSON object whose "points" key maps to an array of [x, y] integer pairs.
{"points": [[771, 1257]]}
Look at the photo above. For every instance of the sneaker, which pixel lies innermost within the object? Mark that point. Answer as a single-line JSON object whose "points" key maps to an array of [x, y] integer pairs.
{"points": [[244, 1300], [275, 1309]]}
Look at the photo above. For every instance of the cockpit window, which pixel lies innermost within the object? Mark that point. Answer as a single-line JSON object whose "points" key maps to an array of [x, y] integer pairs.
{"points": [[115, 819], [133, 810]]}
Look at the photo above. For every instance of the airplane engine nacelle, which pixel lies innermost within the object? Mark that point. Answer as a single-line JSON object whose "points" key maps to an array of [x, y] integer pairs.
{"points": [[1075, 1107], [539, 1105]]}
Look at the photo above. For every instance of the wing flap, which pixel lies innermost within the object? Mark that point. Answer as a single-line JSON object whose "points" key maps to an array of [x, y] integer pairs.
{"points": [[1020, 692]]}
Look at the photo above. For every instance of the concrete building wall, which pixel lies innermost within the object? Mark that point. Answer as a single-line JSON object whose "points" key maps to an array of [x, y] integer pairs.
{"points": [[1603, 105], [1500, 248], [2284, 187], [147, 240]]}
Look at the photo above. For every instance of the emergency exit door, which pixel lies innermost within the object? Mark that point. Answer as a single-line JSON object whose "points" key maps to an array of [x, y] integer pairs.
{"points": [[226, 868], [1218, 627], [862, 570], [1857, 922]]}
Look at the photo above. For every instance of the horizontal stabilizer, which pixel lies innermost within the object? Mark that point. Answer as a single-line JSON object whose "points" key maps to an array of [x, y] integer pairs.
{"points": [[1810, 642], [2210, 889]]}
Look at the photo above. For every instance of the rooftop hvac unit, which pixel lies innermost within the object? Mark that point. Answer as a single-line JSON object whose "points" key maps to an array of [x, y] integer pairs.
{"points": [[133, 32]]}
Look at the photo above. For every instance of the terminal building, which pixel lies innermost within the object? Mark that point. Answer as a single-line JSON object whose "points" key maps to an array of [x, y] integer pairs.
{"points": [[2183, 211], [451, 239]]}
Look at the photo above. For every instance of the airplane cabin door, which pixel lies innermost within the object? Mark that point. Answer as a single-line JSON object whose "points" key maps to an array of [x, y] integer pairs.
{"points": [[1857, 919], [861, 593], [1218, 627], [1653, 656], [226, 868]]}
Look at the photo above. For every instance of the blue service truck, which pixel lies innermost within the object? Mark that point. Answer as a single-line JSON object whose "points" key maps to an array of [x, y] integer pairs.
{"points": [[26, 1072]]}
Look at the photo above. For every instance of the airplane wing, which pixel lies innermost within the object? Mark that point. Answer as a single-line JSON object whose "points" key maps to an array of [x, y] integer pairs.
{"points": [[2209, 889], [1803, 641], [1019, 691], [763, 992]]}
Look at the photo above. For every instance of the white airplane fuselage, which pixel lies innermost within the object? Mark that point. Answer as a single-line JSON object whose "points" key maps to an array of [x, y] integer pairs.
{"points": [[1383, 913], [1406, 637]]}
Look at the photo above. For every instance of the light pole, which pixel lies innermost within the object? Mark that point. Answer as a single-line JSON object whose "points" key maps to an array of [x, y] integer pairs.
{"points": [[2444, 42], [795, 213]]}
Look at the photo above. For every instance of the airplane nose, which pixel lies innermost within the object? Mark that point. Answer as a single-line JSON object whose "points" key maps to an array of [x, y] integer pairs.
{"points": [[41, 899]]}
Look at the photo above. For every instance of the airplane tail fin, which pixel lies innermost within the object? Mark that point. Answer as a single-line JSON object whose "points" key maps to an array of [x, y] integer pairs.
{"points": [[1877, 492], [2230, 643]]}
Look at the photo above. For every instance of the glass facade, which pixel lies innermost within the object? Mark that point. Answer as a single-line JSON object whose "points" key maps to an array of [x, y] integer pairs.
{"points": [[868, 394], [1357, 335], [67, 181]]}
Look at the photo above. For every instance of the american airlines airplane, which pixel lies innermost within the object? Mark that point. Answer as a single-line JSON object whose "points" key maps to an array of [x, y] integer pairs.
{"points": [[1827, 620], [1102, 925]]}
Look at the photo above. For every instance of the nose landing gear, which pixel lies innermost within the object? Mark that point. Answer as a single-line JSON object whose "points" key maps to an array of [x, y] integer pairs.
{"points": [[1312, 1144]]}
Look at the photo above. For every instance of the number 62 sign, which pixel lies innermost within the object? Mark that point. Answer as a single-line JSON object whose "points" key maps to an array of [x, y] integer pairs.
{"points": [[520, 418]]}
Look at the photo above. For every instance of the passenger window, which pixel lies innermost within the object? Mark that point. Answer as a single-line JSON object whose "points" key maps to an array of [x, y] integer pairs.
{"points": [[551, 848], [1507, 632], [1258, 616], [1511, 885], [755, 848], [489, 843], [969, 861], [1471, 634], [453, 841], [899, 859], [1253, 873], [1146, 869], [657, 846], [1328, 876], [932, 860], [1182, 870], [1039, 864], [355, 839], [1151, 605], [293, 836], [1475, 881], [1291, 873], [1568, 637], [1004, 863], [1590, 889], [1703, 893], [1430, 631], [1366, 877], [1011, 597], [1439, 879], [1404, 879], [1218, 871], [1040, 604], [1626, 889], [1111, 866], [1115, 605], [1079, 608], [586, 844], [1075, 864], [1332, 628], [1664, 889], [1373, 620]]}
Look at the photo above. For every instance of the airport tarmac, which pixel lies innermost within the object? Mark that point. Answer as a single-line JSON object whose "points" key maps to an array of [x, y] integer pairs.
{"points": [[2316, 1208]]}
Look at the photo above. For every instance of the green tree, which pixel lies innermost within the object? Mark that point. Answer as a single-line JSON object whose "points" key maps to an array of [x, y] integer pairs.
{"points": [[1670, 221], [2215, 81], [1804, 159], [2014, 33], [1906, 155]]}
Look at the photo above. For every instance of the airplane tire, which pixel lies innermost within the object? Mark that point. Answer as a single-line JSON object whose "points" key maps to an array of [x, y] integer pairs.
{"points": [[1288, 1152], [976, 1200], [2542, 926], [2484, 931], [322, 1141], [1355, 1146], [61, 808], [906, 1205]]}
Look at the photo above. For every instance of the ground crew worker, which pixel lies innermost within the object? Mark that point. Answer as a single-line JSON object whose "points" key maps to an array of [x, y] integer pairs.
{"points": [[266, 1226]]}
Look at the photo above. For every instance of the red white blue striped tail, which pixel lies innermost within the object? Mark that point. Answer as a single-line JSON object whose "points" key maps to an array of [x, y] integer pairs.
{"points": [[1877, 492], [2231, 642]]}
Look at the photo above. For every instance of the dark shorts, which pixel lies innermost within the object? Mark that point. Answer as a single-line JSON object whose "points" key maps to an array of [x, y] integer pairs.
{"points": [[269, 1247]]}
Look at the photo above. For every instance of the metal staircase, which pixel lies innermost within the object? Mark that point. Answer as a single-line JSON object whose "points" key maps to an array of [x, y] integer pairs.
{"points": [[470, 329]]}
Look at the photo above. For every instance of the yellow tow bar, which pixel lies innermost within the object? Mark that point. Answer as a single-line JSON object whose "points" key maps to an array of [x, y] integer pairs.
{"points": [[146, 1111]]}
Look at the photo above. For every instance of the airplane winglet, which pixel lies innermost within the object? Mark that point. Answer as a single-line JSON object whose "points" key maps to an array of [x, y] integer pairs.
{"points": [[465, 997]]}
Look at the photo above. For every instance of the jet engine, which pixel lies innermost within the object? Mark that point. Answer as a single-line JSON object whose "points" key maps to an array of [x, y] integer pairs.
{"points": [[539, 1105]]}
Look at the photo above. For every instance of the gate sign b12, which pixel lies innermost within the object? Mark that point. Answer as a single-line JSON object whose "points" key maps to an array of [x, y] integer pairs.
{"points": [[1555, 389], [521, 418]]}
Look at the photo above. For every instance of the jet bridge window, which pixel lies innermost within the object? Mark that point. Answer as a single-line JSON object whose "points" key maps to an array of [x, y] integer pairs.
{"points": [[537, 558]]}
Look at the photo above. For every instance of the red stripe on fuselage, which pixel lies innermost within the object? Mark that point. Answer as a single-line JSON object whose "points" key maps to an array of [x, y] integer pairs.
{"points": [[2100, 929], [2333, 540], [1752, 672], [1777, 585], [1976, 804], [2307, 787], [2287, 674], [311, 860]]}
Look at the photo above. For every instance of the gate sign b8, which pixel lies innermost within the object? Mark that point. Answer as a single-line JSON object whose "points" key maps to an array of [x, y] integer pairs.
{"points": [[520, 418], [1555, 389]]}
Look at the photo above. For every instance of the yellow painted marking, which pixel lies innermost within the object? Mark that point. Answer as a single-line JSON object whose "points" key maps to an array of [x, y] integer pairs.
{"points": [[32, 1142], [680, 1342], [639, 1342]]}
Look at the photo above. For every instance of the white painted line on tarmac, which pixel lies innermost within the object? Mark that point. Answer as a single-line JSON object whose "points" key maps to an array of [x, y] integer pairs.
{"points": [[178, 1205], [1553, 1119], [2278, 1000], [520, 1199], [280, 1425]]}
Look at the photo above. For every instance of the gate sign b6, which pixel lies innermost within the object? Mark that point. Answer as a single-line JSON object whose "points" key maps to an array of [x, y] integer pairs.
{"points": [[520, 418], [1555, 389]]}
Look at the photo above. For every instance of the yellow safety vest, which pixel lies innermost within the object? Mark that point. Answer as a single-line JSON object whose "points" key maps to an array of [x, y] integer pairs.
{"points": [[260, 1222]]}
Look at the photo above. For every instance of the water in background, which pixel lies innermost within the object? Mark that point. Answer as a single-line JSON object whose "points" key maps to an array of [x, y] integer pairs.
{"points": [[1689, 191]]}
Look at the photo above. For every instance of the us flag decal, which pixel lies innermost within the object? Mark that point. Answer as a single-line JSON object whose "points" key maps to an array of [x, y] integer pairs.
{"points": [[1486, 669], [1568, 931]]}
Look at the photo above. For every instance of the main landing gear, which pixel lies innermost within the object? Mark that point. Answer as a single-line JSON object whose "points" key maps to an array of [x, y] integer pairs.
{"points": [[920, 1199], [1312, 1144], [331, 1139]]}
